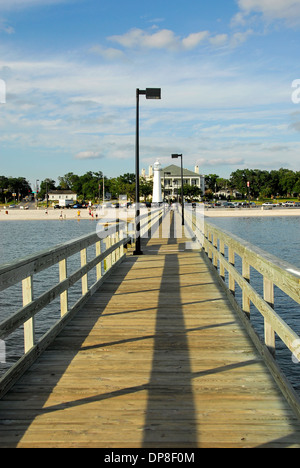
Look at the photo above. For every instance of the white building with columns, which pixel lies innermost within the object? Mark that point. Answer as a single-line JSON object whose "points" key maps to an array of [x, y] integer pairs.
{"points": [[171, 180]]}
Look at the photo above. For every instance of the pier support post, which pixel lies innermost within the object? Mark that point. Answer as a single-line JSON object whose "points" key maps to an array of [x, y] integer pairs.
{"points": [[269, 332], [27, 290]]}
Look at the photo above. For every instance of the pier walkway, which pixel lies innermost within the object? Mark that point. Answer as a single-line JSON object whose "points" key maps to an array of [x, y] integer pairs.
{"points": [[157, 358]]}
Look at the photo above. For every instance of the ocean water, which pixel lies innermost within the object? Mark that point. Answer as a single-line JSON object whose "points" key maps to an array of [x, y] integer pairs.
{"points": [[279, 236]]}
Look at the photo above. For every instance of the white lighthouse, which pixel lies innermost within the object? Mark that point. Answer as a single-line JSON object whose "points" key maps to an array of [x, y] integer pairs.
{"points": [[157, 197]]}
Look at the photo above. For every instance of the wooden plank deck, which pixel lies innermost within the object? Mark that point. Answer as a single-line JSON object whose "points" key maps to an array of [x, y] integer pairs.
{"points": [[156, 359]]}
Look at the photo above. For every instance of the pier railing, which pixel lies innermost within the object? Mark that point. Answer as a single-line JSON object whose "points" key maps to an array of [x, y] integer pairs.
{"points": [[111, 240], [275, 272], [224, 251]]}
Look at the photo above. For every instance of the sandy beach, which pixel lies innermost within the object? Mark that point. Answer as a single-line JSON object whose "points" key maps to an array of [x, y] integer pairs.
{"points": [[37, 215], [51, 214]]}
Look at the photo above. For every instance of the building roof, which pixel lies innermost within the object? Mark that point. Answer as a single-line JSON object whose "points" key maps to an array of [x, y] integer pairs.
{"points": [[62, 192], [176, 171]]}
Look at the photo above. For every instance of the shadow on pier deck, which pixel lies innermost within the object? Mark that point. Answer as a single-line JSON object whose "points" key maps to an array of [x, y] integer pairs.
{"points": [[157, 358]]}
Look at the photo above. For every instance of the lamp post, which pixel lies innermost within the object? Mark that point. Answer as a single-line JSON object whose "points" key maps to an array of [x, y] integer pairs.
{"points": [[175, 156], [36, 192], [150, 93]]}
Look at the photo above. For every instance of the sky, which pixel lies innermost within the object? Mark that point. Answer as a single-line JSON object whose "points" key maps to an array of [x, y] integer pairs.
{"points": [[69, 69]]}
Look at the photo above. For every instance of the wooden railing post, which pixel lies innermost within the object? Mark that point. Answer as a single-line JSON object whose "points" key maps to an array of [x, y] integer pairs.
{"points": [[83, 257], [108, 263], [210, 238], [269, 332], [29, 333], [122, 246], [113, 254], [246, 276], [98, 267], [64, 295], [215, 257], [231, 260], [206, 237], [117, 252], [222, 252]]}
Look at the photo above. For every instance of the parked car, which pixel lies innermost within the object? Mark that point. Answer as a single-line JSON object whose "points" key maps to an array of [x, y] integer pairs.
{"points": [[289, 203]]}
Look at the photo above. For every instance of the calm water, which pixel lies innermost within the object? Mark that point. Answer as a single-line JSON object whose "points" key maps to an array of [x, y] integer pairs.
{"points": [[279, 236]]}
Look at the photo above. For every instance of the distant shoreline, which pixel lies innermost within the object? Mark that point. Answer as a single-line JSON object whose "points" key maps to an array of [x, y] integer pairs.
{"points": [[250, 212], [69, 214]]}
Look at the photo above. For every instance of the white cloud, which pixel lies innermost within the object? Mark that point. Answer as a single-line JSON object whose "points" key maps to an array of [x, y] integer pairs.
{"points": [[220, 162], [109, 53], [166, 39], [194, 39], [219, 40], [240, 37], [162, 39], [6, 27], [287, 10], [139, 38], [89, 155]]}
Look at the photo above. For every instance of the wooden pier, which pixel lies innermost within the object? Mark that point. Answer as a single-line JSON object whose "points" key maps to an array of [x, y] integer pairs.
{"points": [[156, 358]]}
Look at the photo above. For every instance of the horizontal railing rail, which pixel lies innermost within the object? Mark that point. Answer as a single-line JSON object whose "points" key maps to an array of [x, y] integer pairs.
{"points": [[114, 238], [274, 272], [149, 221]]}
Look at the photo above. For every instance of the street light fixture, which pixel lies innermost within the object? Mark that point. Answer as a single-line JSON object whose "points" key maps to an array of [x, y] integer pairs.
{"points": [[175, 156], [150, 93]]}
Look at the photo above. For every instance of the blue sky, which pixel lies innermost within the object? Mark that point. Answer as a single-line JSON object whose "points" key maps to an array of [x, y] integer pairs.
{"points": [[71, 68]]}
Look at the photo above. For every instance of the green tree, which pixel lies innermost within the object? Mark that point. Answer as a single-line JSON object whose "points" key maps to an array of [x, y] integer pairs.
{"points": [[191, 192], [211, 182], [18, 185], [287, 181], [3, 187], [47, 183], [146, 188]]}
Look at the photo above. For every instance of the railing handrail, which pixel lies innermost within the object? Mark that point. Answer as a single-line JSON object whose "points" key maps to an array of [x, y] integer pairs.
{"points": [[282, 273], [14, 272]]}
